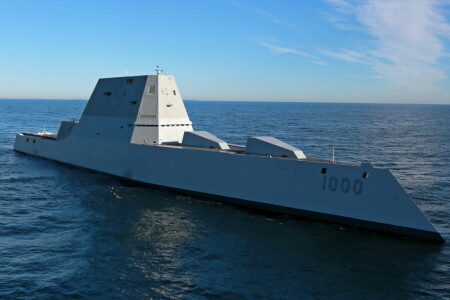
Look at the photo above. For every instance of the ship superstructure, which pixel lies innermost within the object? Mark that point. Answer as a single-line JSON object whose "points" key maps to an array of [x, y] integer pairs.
{"points": [[137, 128]]}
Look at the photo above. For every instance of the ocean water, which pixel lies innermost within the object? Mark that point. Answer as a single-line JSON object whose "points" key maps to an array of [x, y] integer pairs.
{"points": [[69, 233]]}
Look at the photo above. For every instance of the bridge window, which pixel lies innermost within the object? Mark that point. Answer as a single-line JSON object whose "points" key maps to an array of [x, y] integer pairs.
{"points": [[174, 92], [365, 175], [107, 93], [324, 171], [133, 102], [130, 80]]}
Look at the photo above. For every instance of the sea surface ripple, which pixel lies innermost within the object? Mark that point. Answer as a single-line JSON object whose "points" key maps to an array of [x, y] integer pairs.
{"points": [[70, 234]]}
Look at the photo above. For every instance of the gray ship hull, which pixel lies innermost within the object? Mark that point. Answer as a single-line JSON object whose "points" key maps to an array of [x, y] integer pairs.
{"points": [[360, 196], [137, 128]]}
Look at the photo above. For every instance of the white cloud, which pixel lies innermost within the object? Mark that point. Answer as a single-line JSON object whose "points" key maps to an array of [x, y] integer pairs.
{"points": [[342, 6], [284, 50], [341, 22], [265, 14], [351, 56], [407, 39]]}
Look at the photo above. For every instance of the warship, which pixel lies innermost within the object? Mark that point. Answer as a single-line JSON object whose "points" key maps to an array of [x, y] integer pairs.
{"points": [[137, 128]]}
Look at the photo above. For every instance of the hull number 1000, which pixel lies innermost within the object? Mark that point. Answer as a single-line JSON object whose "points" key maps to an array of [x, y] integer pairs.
{"points": [[344, 185]]}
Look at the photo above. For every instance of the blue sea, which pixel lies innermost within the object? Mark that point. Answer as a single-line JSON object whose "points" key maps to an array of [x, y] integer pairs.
{"points": [[71, 234]]}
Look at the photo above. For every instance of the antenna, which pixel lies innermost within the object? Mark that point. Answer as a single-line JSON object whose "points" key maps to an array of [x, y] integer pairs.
{"points": [[158, 70], [334, 161]]}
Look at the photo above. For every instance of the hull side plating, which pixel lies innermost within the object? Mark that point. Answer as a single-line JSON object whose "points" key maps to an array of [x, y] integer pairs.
{"points": [[324, 191]]}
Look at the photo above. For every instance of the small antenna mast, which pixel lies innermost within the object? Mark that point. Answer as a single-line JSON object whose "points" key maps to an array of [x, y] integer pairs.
{"points": [[158, 70], [334, 161]]}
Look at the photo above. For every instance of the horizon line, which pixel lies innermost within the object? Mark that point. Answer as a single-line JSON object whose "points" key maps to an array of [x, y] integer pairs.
{"points": [[251, 101]]}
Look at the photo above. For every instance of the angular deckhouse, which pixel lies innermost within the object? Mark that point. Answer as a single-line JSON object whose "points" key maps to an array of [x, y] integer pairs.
{"points": [[137, 128], [149, 106]]}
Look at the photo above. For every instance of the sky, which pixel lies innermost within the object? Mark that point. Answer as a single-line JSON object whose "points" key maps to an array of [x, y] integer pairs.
{"points": [[381, 51]]}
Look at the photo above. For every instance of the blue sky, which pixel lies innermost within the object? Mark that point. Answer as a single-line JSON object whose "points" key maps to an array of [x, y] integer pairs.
{"points": [[299, 50]]}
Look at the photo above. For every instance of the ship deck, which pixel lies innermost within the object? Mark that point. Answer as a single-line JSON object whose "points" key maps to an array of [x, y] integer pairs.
{"points": [[50, 136], [241, 150], [233, 148]]}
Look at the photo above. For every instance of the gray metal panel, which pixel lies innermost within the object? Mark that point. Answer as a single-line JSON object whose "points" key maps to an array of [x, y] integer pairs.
{"points": [[296, 184], [65, 129], [112, 97], [203, 139], [267, 145]]}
